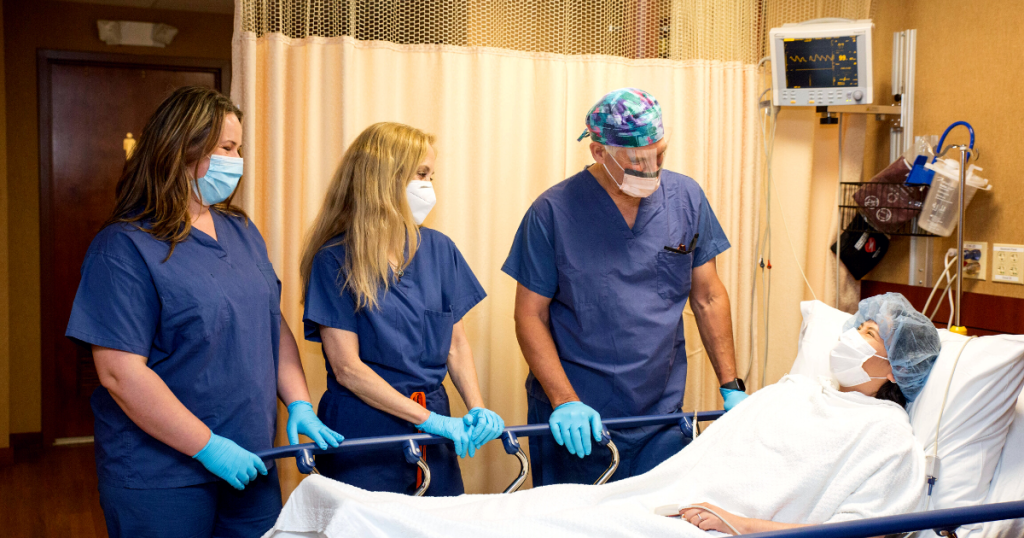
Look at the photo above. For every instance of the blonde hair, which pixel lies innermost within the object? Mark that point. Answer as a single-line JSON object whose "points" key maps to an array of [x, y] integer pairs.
{"points": [[366, 201], [157, 182]]}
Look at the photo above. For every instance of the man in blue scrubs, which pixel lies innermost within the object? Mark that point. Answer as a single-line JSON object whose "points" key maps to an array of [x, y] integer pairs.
{"points": [[605, 262]]}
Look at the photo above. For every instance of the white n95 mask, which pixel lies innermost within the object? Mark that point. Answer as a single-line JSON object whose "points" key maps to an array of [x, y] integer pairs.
{"points": [[421, 199], [637, 183], [847, 359]]}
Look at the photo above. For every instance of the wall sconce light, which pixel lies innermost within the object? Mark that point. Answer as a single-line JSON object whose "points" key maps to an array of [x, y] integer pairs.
{"points": [[141, 34]]}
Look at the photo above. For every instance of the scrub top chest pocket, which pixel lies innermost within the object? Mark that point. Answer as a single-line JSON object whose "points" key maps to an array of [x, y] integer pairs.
{"points": [[273, 285], [437, 337], [674, 271]]}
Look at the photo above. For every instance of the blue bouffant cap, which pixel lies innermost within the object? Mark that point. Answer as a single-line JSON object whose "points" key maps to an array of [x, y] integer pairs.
{"points": [[910, 339]]}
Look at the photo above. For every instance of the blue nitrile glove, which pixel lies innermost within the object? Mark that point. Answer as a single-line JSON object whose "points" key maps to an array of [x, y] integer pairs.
{"points": [[486, 426], [732, 397], [229, 461], [572, 424], [452, 428], [302, 419]]}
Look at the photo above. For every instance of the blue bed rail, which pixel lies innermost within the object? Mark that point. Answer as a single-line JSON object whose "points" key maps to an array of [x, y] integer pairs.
{"points": [[940, 521], [410, 444], [685, 420], [943, 522]]}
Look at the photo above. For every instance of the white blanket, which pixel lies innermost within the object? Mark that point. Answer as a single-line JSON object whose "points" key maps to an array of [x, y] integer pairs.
{"points": [[795, 452]]}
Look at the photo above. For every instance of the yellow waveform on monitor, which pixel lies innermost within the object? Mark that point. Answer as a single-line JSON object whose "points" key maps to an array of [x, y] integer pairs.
{"points": [[813, 58]]}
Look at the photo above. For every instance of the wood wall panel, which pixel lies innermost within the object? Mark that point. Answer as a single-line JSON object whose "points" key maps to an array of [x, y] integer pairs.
{"points": [[982, 314]]}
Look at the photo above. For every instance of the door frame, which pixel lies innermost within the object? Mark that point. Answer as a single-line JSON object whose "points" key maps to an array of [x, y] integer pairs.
{"points": [[51, 328]]}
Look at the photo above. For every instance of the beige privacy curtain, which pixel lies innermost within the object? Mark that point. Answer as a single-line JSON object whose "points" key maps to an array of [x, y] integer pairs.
{"points": [[505, 87]]}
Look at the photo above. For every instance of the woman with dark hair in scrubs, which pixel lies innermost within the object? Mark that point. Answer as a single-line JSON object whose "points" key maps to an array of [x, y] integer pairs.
{"points": [[181, 307], [386, 298]]}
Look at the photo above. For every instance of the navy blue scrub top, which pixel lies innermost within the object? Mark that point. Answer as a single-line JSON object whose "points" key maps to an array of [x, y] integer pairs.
{"points": [[407, 338], [617, 294], [208, 319]]}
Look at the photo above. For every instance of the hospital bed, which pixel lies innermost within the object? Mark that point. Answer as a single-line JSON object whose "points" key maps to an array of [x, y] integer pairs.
{"points": [[943, 522]]}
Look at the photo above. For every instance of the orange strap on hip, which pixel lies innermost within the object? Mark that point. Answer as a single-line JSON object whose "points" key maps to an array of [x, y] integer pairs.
{"points": [[420, 398]]}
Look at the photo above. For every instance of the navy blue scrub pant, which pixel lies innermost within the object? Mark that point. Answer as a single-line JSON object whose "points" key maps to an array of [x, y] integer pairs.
{"points": [[640, 450], [385, 469], [214, 509]]}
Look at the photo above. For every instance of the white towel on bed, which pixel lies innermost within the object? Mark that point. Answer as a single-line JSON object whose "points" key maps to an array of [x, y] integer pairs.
{"points": [[796, 451]]}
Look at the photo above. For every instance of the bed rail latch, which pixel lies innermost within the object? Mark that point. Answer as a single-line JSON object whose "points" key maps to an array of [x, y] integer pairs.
{"points": [[686, 427], [413, 455], [304, 461], [606, 439], [511, 443]]}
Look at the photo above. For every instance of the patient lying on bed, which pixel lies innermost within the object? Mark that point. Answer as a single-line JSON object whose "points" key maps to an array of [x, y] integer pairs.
{"points": [[886, 353], [801, 451]]}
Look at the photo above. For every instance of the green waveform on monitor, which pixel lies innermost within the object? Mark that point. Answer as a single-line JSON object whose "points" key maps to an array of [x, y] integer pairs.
{"points": [[813, 58], [825, 62]]}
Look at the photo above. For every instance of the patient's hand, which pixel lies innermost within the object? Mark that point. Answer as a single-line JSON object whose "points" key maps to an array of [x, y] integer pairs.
{"points": [[703, 519], [707, 521]]}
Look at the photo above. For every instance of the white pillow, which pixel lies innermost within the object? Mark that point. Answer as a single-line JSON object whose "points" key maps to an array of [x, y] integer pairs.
{"points": [[977, 416], [819, 333], [978, 410], [1008, 484]]}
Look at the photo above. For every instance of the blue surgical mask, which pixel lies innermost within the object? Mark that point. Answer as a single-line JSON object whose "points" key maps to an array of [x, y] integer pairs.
{"points": [[220, 180]]}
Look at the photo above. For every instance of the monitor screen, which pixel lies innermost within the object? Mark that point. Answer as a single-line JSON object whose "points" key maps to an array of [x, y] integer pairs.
{"points": [[823, 62]]}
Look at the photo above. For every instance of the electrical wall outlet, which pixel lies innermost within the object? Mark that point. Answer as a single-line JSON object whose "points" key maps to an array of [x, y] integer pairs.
{"points": [[975, 260], [1008, 263]]}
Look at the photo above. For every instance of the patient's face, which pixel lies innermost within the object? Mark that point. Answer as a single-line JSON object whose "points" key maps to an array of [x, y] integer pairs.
{"points": [[869, 331], [875, 366]]}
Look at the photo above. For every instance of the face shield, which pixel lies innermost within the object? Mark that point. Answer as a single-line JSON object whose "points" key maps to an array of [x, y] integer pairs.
{"points": [[637, 171]]}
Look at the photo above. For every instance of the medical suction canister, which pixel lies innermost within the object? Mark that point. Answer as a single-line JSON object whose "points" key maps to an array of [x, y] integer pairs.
{"points": [[939, 214]]}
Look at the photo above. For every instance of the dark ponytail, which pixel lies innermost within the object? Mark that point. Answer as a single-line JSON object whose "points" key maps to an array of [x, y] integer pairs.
{"points": [[891, 391]]}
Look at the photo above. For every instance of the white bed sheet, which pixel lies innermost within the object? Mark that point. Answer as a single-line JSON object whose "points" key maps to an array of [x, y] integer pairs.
{"points": [[855, 457]]}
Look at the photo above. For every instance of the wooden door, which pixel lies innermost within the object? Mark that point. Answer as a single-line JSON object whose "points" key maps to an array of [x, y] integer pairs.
{"points": [[88, 103]]}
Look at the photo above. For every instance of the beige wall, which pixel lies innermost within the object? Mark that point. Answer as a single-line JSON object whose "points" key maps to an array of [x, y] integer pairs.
{"points": [[969, 60], [60, 26], [803, 171]]}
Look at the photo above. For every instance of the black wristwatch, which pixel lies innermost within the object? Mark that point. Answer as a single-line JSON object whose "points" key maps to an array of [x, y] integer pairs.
{"points": [[735, 384]]}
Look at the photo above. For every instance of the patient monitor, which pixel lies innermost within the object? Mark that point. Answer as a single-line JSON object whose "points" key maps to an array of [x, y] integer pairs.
{"points": [[821, 62]]}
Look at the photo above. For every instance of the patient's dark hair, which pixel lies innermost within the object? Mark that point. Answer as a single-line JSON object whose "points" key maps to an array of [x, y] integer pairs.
{"points": [[891, 391]]}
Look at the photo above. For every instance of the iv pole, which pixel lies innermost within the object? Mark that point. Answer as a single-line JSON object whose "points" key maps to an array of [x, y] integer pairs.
{"points": [[966, 154]]}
